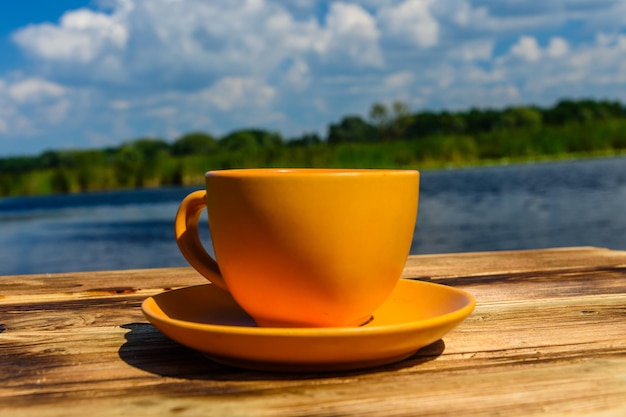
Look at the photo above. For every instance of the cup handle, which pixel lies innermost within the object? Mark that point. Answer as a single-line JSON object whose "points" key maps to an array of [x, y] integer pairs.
{"points": [[188, 239]]}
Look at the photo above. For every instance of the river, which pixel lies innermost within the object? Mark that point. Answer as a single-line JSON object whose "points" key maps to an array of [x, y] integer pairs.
{"points": [[539, 205]]}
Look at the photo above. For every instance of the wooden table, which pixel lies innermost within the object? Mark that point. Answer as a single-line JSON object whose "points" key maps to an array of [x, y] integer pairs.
{"points": [[548, 337]]}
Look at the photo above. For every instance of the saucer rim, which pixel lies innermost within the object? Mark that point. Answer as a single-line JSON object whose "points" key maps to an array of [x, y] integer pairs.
{"points": [[372, 328]]}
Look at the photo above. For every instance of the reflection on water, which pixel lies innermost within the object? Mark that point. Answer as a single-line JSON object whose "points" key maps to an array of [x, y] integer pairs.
{"points": [[496, 208], [523, 206], [116, 230]]}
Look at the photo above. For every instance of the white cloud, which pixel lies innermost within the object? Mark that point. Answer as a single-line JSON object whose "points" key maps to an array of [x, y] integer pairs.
{"points": [[399, 80], [605, 40], [231, 92], [81, 35], [56, 112], [35, 89], [557, 48], [478, 50], [299, 75], [351, 32], [120, 105], [527, 48], [195, 42], [8, 108], [166, 112], [591, 69], [28, 106], [411, 21], [464, 14], [156, 67]]}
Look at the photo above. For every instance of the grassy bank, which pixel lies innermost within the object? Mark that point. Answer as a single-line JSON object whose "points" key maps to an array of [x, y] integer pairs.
{"points": [[402, 141]]}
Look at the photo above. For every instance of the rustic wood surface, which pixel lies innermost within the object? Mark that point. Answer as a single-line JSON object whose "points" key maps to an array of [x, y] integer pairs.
{"points": [[548, 337]]}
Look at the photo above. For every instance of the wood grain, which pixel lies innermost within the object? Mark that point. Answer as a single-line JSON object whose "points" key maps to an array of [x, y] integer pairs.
{"points": [[548, 337]]}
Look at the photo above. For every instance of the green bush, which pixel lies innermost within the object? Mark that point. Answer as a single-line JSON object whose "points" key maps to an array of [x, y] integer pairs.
{"points": [[392, 139]]}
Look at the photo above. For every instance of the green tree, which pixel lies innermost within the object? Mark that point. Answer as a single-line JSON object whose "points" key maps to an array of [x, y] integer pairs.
{"points": [[128, 163], [380, 115], [150, 148], [480, 121], [194, 143], [391, 123], [306, 139], [52, 159], [520, 117], [89, 168], [582, 111], [61, 181], [351, 129], [451, 123], [250, 140], [423, 124], [401, 121], [153, 154]]}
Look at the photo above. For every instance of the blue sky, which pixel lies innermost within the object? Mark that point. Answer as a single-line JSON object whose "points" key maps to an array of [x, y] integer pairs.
{"points": [[91, 74]]}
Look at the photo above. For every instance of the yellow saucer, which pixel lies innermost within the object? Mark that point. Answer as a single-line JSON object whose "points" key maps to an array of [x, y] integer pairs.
{"points": [[208, 320]]}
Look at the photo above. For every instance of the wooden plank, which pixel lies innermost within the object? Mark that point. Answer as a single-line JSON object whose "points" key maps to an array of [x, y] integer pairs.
{"points": [[505, 333], [471, 386], [552, 389], [99, 283], [507, 262], [506, 276], [439, 266], [546, 338], [442, 268], [99, 379]]}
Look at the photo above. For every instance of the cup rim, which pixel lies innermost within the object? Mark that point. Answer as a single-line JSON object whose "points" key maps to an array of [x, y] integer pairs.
{"points": [[298, 172]]}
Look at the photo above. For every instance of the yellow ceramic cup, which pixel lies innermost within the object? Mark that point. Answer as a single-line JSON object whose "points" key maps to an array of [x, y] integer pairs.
{"points": [[303, 247]]}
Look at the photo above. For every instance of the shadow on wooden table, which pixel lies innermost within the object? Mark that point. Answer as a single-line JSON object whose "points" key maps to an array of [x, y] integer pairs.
{"points": [[149, 350]]}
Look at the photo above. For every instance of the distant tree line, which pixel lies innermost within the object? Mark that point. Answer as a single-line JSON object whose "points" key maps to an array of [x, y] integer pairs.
{"points": [[390, 136], [397, 122]]}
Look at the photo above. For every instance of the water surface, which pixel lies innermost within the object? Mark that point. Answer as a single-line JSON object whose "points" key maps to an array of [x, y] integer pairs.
{"points": [[574, 203]]}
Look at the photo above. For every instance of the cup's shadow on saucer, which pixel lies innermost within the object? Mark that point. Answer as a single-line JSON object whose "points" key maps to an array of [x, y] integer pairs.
{"points": [[146, 348]]}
